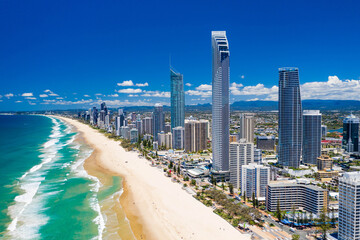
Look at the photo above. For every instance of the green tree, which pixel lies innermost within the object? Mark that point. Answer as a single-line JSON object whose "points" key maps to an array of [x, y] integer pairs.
{"points": [[323, 223], [278, 211], [231, 188], [295, 237], [170, 164], [193, 182], [253, 200], [244, 196]]}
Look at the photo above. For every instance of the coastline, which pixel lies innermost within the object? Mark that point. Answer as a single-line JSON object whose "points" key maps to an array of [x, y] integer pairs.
{"points": [[126, 210], [155, 207]]}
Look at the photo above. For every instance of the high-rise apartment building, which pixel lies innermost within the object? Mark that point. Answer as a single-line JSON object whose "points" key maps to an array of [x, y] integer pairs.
{"points": [[220, 100], [241, 153], [324, 162], [177, 99], [247, 124], [323, 131], [349, 210], [158, 120], [254, 180], [178, 137], [311, 146], [195, 135], [351, 133], [290, 117], [147, 125]]}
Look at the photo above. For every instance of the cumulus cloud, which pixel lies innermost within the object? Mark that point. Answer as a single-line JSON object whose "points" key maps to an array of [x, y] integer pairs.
{"points": [[204, 87], [18, 101], [130, 83], [50, 93], [188, 84], [31, 98], [130, 90], [127, 83], [199, 93], [86, 95], [9, 95], [156, 94], [27, 95], [113, 95], [333, 88], [43, 95], [142, 84], [204, 90]]}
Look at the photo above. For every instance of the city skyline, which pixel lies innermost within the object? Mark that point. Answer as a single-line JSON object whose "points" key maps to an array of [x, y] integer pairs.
{"points": [[83, 62]]}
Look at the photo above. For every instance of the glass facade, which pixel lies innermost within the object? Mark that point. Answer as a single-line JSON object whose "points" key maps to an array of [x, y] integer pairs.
{"points": [[177, 99], [290, 117], [220, 100], [351, 133], [311, 136], [158, 120]]}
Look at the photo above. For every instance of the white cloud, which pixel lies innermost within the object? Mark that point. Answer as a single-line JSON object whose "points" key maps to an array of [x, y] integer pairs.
{"points": [[86, 95], [128, 83], [204, 87], [31, 98], [334, 88], [27, 95], [142, 84], [18, 101], [113, 95], [9, 95], [188, 84], [51, 93], [43, 95], [31, 103], [156, 94], [199, 93], [98, 94], [133, 95], [130, 90], [59, 98]]}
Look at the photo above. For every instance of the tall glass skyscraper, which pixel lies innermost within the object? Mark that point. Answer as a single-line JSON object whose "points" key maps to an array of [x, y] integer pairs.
{"points": [[311, 136], [220, 100], [177, 99], [351, 133], [290, 117], [158, 120]]}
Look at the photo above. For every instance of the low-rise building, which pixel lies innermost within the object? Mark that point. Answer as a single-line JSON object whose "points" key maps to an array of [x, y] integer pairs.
{"points": [[291, 195]]}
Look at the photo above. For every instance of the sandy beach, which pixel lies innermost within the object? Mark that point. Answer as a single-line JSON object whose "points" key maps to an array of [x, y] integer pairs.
{"points": [[156, 207]]}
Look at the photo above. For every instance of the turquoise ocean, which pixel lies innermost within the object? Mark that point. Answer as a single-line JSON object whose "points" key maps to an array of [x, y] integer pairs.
{"points": [[45, 193]]}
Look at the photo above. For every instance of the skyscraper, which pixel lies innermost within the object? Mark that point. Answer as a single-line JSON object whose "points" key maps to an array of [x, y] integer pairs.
{"points": [[158, 120], [247, 126], [351, 133], [220, 100], [349, 200], [177, 99], [290, 117], [311, 136]]}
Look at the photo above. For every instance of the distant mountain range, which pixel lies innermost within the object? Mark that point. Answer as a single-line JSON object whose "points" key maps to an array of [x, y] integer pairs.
{"points": [[323, 105]]}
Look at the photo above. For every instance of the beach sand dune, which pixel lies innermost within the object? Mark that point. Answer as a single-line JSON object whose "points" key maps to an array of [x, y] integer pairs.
{"points": [[156, 207]]}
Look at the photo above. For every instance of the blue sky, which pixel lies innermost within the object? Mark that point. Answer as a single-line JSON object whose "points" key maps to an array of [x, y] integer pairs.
{"points": [[60, 54]]}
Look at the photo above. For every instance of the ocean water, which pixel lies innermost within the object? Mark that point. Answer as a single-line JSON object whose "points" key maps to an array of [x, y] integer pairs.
{"points": [[45, 193]]}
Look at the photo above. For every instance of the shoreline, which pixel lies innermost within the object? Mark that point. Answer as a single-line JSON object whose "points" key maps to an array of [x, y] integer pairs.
{"points": [[156, 207], [93, 167]]}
